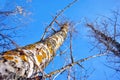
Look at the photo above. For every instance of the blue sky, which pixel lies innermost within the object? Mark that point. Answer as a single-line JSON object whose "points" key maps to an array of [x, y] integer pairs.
{"points": [[42, 15], [42, 12]]}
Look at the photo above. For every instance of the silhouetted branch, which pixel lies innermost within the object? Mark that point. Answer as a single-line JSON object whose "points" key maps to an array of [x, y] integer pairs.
{"points": [[13, 42]]}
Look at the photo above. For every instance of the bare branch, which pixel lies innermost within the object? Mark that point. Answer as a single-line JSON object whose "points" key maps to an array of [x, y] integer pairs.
{"points": [[6, 13], [72, 64], [8, 38], [57, 15]]}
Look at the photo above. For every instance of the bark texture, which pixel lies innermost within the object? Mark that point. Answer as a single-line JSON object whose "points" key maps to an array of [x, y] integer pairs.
{"points": [[31, 59]]}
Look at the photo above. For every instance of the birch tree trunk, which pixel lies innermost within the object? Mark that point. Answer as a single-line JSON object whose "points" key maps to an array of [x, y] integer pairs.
{"points": [[27, 61]]}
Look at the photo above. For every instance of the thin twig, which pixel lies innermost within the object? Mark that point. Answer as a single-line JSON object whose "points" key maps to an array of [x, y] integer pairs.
{"points": [[71, 52]]}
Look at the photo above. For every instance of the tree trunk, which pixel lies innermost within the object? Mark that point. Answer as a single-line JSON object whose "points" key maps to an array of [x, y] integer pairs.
{"points": [[27, 61]]}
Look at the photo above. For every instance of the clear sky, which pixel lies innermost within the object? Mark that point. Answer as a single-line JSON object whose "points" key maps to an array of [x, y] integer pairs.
{"points": [[42, 12]]}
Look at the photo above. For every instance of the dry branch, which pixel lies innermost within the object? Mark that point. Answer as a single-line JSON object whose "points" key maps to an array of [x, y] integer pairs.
{"points": [[72, 64]]}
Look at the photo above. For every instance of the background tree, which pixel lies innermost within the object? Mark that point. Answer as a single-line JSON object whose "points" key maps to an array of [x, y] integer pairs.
{"points": [[106, 33]]}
